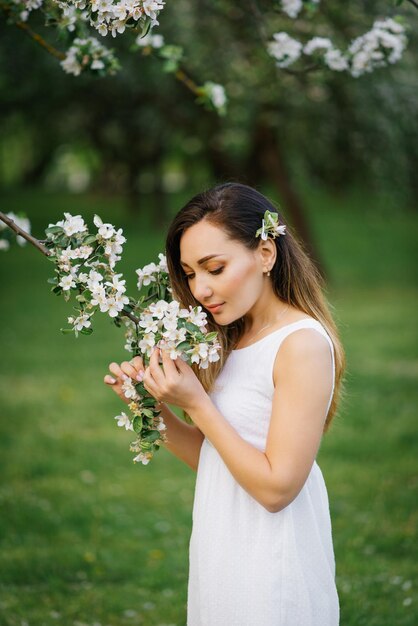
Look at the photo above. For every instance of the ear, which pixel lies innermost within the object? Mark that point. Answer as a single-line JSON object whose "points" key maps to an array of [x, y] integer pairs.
{"points": [[267, 252]]}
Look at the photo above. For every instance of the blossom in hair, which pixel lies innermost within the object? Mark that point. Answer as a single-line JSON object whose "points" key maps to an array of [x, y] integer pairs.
{"points": [[270, 226]]}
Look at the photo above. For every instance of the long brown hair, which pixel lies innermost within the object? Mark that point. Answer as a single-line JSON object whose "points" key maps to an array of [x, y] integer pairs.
{"points": [[239, 209]]}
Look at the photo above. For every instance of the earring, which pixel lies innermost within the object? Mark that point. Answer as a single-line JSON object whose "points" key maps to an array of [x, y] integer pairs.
{"points": [[268, 273]]}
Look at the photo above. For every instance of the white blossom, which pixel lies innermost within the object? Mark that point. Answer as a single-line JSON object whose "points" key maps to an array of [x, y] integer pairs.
{"points": [[200, 351], [284, 49], [72, 225], [67, 282], [162, 266], [216, 94], [80, 322], [317, 43], [147, 275], [143, 458], [336, 60], [383, 44], [292, 8], [155, 41], [158, 309], [116, 283], [105, 230], [160, 424], [100, 298], [94, 280], [84, 54], [197, 317], [148, 323], [124, 421], [147, 343], [129, 390], [151, 7]]}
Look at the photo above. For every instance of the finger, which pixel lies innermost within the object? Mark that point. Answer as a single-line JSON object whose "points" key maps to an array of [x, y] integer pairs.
{"points": [[181, 364], [109, 380], [154, 370], [169, 364], [137, 362], [128, 369], [116, 371]]}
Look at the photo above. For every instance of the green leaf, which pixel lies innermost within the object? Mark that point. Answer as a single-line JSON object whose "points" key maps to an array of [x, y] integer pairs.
{"points": [[211, 336], [66, 331], [184, 345], [86, 331], [53, 281], [147, 412], [89, 239], [54, 230], [152, 436], [57, 290], [191, 327], [147, 402], [137, 424]]}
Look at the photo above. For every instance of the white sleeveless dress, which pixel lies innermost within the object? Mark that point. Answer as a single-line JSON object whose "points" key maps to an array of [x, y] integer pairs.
{"points": [[250, 567]]}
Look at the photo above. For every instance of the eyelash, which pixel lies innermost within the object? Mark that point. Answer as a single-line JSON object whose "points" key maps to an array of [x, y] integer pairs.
{"points": [[218, 271]]}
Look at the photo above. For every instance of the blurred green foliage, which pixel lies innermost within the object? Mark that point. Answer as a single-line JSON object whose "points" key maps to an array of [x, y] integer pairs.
{"points": [[141, 134]]}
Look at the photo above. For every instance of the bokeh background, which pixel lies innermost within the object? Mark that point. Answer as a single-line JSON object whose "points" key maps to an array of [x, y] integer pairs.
{"points": [[88, 538]]}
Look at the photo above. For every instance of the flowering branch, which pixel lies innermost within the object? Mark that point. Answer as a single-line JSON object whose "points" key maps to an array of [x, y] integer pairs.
{"points": [[22, 233], [96, 286]]}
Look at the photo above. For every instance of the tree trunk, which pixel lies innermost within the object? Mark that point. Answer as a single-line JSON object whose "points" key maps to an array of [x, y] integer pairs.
{"points": [[267, 154]]}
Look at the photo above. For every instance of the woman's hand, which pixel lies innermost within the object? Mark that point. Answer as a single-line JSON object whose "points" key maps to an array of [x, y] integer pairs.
{"points": [[175, 383], [127, 369]]}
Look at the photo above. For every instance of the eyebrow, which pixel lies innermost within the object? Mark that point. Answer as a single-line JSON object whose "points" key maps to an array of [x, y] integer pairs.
{"points": [[205, 258]]}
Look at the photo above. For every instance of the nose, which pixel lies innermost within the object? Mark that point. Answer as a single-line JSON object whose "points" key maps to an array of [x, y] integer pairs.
{"points": [[202, 290]]}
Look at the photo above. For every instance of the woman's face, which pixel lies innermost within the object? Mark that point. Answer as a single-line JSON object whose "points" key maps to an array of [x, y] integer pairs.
{"points": [[232, 277]]}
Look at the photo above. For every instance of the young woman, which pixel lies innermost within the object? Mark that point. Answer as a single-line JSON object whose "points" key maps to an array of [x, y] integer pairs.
{"points": [[261, 551]]}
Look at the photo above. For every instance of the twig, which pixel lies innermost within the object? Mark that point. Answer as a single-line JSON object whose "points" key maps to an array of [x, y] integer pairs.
{"points": [[19, 231], [305, 70], [183, 78], [415, 4], [131, 317], [56, 53]]}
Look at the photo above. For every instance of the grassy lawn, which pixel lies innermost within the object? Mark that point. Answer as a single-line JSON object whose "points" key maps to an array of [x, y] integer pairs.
{"points": [[89, 538]]}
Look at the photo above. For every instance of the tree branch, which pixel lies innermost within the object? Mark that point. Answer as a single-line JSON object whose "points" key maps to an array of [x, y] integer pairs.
{"points": [[183, 78], [19, 231], [39, 40], [39, 246], [415, 4]]}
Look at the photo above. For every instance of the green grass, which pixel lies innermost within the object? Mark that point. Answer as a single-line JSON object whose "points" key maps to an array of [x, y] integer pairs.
{"points": [[86, 537]]}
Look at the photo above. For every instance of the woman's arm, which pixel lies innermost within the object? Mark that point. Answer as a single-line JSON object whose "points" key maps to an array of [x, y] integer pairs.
{"points": [[184, 440], [303, 383]]}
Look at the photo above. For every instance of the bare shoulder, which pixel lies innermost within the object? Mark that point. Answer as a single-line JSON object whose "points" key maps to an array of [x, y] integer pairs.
{"points": [[306, 349]]}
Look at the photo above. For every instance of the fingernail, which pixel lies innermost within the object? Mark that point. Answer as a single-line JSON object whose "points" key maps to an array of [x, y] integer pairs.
{"points": [[112, 381], [140, 375]]}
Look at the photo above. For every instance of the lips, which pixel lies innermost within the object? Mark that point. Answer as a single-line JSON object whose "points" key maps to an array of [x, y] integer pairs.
{"points": [[214, 306]]}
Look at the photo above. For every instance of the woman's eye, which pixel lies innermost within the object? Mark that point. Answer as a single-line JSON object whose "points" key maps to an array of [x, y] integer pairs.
{"points": [[218, 271]]}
